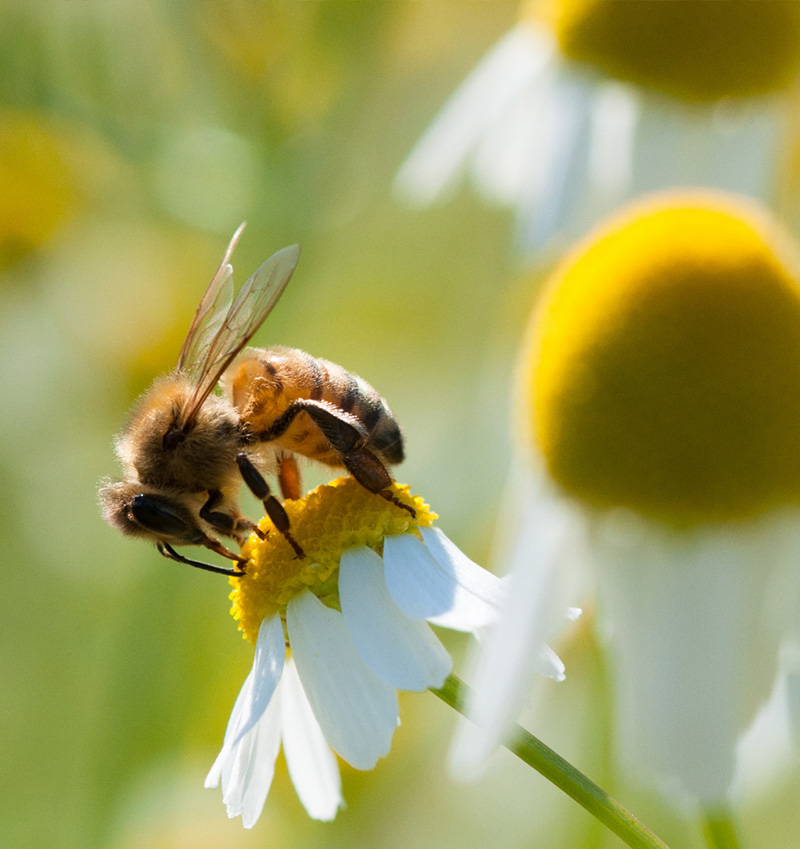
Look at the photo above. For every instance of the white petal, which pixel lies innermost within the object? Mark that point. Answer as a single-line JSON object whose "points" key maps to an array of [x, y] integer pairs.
{"points": [[245, 788], [552, 198], [745, 150], [425, 589], [549, 664], [513, 648], [766, 754], [312, 764], [242, 700], [465, 572], [403, 652], [356, 711], [790, 657], [696, 645], [268, 661], [614, 115], [247, 766], [515, 142], [439, 156]]}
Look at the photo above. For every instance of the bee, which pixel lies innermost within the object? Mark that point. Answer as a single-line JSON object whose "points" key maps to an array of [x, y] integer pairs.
{"points": [[186, 449]]}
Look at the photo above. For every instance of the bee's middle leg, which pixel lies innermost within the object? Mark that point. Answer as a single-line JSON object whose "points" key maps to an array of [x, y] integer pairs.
{"points": [[274, 509]]}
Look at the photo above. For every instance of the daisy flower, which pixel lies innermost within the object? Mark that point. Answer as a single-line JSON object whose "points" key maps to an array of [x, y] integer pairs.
{"points": [[336, 635], [660, 392], [585, 103]]}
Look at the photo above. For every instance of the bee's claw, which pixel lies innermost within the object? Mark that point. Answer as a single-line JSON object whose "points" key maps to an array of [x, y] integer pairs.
{"points": [[299, 554], [391, 497]]}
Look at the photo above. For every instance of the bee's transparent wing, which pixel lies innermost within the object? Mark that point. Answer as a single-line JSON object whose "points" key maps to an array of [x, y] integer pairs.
{"points": [[252, 305], [210, 314]]}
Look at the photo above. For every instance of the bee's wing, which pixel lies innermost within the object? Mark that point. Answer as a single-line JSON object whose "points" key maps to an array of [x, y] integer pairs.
{"points": [[210, 314], [252, 305]]}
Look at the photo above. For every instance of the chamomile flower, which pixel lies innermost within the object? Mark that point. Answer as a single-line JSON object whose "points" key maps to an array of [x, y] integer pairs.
{"points": [[660, 394], [337, 634], [585, 103]]}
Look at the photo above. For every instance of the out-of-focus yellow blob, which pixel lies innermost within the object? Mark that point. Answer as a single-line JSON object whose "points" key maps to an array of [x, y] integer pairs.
{"points": [[696, 50], [283, 49], [663, 369], [36, 186], [329, 520]]}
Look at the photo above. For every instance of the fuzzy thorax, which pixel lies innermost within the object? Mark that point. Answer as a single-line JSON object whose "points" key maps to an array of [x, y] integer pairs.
{"points": [[329, 520], [663, 373]]}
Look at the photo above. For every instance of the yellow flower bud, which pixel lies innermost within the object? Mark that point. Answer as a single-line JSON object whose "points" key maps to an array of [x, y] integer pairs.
{"points": [[663, 370], [696, 50]]}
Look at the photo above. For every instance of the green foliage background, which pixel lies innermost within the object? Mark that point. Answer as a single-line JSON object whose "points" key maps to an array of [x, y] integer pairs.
{"points": [[162, 126]]}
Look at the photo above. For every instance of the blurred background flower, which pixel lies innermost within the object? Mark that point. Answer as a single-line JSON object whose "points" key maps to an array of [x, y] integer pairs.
{"points": [[151, 130], [659, 407], [585, 103]]}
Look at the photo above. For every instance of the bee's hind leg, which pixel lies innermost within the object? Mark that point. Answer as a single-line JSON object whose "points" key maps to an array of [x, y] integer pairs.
{"points": [[348, 436], [274, 509], [370, 472]]}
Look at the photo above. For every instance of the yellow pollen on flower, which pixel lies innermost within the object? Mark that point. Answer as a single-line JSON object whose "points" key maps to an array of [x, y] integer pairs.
{"points": [[695, 50], [329, 520], [663, 367]]}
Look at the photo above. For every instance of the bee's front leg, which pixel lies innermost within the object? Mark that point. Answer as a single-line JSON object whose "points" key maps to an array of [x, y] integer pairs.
{"points": [[169, 552], [232, 525]]}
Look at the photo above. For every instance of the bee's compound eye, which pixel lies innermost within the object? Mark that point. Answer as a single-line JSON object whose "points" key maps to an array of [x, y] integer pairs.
{"points": [[159, 516]]}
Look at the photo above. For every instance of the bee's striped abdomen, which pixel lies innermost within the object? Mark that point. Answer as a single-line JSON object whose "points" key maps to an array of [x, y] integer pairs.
{"points": [[266, 382]]}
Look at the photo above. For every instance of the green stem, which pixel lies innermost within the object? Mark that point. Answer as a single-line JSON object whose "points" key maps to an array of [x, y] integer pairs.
{"points": [[719, 830], [561, 773]]}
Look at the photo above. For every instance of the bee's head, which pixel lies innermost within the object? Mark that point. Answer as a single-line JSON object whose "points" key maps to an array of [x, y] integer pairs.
{"points": [[147, 513]]}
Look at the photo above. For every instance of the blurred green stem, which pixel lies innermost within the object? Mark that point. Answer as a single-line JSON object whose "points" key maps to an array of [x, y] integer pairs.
{"points": [[573, 782], [718, 828]]}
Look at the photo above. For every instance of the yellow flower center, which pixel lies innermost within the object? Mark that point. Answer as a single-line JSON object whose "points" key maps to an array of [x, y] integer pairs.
{"points": [[692, 49], [329, 520], [664, 364]]}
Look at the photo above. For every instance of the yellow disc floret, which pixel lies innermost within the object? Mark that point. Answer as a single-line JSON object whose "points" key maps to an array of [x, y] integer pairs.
{"points": [[329, 520], [664, 363], [692, 49]]}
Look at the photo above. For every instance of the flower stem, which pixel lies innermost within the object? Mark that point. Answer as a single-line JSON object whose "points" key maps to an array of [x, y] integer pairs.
{"points": [[719, 830], [573, 782]]}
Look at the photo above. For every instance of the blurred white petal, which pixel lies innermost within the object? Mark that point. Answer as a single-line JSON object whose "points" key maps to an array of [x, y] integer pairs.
{"points": [[549, 199], [564, 145], [549, 664], [695, 660], [356, 711], [614, 117], [439, 156], [312, 765], [514, 647]]}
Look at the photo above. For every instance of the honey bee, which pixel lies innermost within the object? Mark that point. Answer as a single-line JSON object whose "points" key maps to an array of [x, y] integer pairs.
{"points": [[186, 450]]}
